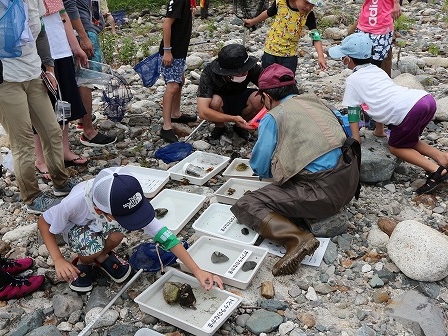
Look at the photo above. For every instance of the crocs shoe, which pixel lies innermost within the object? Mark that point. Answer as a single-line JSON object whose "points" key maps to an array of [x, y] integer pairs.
{"points": [[83, 282], [168, 135], [99, 140], [115, 267], [15, 266], [21, 286]]}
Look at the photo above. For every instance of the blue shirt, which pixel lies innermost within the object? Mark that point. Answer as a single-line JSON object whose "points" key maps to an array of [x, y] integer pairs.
{"points": [[260, 161]]}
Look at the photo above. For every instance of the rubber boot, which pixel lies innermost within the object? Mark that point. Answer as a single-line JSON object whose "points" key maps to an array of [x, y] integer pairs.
{"points": [[298, 242]]}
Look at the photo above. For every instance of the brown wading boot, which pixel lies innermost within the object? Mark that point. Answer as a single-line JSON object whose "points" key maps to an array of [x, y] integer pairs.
{"points": [[298, 242]]}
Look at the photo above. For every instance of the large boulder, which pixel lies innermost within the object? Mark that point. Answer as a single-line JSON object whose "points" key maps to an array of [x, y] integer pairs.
{"points": [[419, 251]]}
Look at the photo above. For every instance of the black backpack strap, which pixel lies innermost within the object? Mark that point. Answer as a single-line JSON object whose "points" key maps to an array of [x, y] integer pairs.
{"points": [[355, 146]]}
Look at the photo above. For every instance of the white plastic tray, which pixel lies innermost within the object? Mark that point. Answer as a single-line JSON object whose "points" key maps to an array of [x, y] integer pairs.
{"points": [[181, 206], [217, 220], [152, 180], [235, 188], [245, 174], [213, 307], [211, 163], [230, 271]]}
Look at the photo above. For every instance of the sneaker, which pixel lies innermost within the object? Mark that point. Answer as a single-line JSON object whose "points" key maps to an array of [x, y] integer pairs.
{"points": [[241, 132], [216, 133], [65, 190], [15, 266], [99, 140], [21, 286], [115, 267], [168, 135], [83, 282], [42, 203]]}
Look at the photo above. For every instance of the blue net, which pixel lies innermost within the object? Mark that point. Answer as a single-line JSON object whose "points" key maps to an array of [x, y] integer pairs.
{"points": [[12, 24], [145, 257], [119, 17], [149, 69], [116, 95], [174, 152]]}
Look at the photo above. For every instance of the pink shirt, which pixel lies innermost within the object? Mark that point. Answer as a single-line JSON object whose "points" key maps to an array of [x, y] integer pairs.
{"points": [[376, 17]]}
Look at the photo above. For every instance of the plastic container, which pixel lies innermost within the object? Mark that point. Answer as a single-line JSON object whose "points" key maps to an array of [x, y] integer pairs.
{"points": [[151, 180], [213, 307], [201, 160], [218, 221], [181, 206], [94, 73], [235, 188], [255, 121], [237, 253], [231, 170]]}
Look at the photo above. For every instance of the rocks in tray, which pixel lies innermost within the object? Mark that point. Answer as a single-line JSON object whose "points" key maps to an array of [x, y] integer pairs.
{"points": [[182, 293], [218, 257]]}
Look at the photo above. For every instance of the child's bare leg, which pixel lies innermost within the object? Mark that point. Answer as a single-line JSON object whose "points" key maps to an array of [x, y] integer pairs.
{"points": [[111, 242], [172, 90], [440, 157], [175, 108], [379, 130], [414, 157]]}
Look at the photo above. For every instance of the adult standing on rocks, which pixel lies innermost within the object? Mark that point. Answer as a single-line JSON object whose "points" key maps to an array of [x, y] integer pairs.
{"points": [[315, 168], [223, 95]]}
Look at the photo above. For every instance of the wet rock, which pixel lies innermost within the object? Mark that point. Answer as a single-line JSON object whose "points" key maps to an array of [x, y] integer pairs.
{"points": [[107, 319], [263, 321], [248, 266], [218, 257]]}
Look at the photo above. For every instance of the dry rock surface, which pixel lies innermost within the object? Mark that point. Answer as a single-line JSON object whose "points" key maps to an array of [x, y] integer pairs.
{"points": [[357, 290]]}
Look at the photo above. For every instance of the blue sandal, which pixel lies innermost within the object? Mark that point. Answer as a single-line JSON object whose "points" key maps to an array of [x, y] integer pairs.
{"points": [[433, 180]]}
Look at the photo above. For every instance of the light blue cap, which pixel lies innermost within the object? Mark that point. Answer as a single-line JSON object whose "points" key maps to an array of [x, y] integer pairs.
{"points": [[358, 45]]}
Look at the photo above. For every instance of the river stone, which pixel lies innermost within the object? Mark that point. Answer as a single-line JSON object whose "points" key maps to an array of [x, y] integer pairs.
{"points": [[419, 251], [248, 266], [263, 321], [107, 319], [218, 257]]}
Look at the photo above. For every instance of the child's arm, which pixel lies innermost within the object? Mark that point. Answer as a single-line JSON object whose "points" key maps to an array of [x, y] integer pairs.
{"points": [[81, 56], [206, 279], [167, 55], [252, 22], [354, 116], [170, 242], [315, 36], [64, 269]]}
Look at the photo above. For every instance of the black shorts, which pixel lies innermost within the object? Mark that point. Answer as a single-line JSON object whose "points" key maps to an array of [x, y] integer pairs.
{"points": [[235, 104]]}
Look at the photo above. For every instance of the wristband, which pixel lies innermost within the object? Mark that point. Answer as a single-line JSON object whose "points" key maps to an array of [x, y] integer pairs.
{"points": [[354, 113], [315, 36], [167, 48], [166, 238]]}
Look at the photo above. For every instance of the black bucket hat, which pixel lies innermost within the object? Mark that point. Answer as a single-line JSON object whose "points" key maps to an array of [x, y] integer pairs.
{"points": [[232, 60]]}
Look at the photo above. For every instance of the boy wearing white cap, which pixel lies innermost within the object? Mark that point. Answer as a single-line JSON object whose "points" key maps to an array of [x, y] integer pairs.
{"points": [[94, 219], [405, 111]]}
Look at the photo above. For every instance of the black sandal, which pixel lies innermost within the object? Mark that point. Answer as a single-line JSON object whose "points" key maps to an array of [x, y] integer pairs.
{"points": [[433, 180]]}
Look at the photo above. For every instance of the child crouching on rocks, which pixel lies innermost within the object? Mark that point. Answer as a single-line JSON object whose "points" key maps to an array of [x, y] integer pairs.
{"points": [[94, 219], [405, 111]]}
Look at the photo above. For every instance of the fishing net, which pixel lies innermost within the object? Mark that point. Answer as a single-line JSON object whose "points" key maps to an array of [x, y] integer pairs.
{"points": [[149, 69], [248, 9], [116, 95], [152, 258]]}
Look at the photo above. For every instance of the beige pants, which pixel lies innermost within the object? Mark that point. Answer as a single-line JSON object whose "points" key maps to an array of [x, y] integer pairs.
{"points": [[22, 105]]}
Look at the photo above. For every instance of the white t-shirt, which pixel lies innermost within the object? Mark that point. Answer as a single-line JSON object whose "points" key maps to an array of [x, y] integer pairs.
{"points": [[57, 38], [388, 103], [73, 210]]}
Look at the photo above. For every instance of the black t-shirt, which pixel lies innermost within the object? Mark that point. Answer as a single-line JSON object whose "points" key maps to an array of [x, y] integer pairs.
{"points": [[211, 83], [181, 27], [310, 19]]}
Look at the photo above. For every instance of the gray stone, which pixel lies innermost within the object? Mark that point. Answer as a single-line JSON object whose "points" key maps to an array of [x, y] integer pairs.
{"points": [[331, 253], [377, 163], [263, 321], [329, 227], [107, 319], [30, 322], [66, 303], [242, 319], [218, 257], [48, 330], [124, 329], [365, 331], [442, 109], [408, 80], [416, 312], [98, 298], [376, 282], [273, 305], [430, 289], [419, 251]]}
